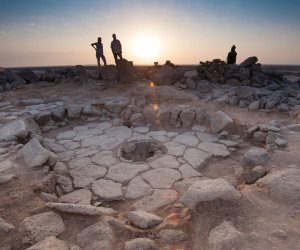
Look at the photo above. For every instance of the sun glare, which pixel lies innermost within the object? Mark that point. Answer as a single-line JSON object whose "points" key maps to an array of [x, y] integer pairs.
{"points": [[147, 47]]}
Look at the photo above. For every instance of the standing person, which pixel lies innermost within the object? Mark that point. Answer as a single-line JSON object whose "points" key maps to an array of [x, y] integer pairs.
{"points": [[116, 48], [231, 58], [98, 46]]}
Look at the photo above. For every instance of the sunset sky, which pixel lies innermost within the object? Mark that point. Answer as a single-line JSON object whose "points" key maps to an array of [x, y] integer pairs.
{"points": [[59, 32]]}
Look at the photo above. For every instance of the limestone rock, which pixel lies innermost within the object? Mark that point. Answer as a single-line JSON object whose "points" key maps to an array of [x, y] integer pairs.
{"points": [[107, 190], [143, 219], [255, 174], [97, 236], [209, 190], [6, 178], [81, 209], [116, 104], [191, 74], [105, 159], [35, 155], [40, 226], [74, 111], [161, 177], [175, 148], [187, 118], [215, 149], [249, 62], [109, 72], [219, 121], [196, 158], [167, 161], [255, 157], [166, 75], [16, 130], [58, 114], [140, 244], [284, 185], [170, 236], [225, 236], [81, 196], [50, 243], [126, 71], [159, 199], [124, 172], [187, 171], [137, 188], [188, 139], [6, 165]]}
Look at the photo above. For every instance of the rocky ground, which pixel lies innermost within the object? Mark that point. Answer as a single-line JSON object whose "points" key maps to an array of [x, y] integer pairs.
{"points": [[202, 157]]}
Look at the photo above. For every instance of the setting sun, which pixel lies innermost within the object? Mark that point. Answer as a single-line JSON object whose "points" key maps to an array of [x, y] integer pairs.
{"points": [[147, 47]]}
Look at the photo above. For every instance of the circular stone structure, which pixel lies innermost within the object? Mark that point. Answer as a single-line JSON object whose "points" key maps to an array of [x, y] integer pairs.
{"points": [[140, 150]]}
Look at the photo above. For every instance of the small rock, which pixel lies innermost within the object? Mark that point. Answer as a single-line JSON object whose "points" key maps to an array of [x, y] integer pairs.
{"points": [[143, 219], [281, 234], [255, 157], [50, 243], [173, 236], [107, 190], [6, 178], [255, 174], [49, 197], [219, 121], [5, 227]]}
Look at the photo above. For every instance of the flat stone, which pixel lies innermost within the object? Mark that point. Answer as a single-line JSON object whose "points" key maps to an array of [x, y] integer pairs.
{"points": [[225, 236], [219, 121], [81, 196], [255, 157], [170, 236], [175, 148], [79, 162], [81, 209], [105, 159], [188, 139], [204, 137], [209, 190], [187, 171], [40, 226], [143, 220], [97, 236], [124, 172], [161, 177], [50, 243], [72, 145], [196, 158], [55, 147], [137, 188], [182, 186], [107, 190], [85, 175], [229, 143], [283, 185], [85, 152], [156, 201], [35, 155], [5, 227], [87, 134], [68, 135], [141, 130], [214, 149], [167, 161], [104, 125]]}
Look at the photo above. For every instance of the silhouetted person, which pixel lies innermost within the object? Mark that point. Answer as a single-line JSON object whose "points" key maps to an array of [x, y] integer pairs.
{"points": [[98, 46], [231, 58], [116, 48]]}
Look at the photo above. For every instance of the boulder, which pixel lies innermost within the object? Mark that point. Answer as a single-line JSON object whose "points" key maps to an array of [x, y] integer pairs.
{"points": [[74, 111], [109, 72], [220, 121], [166, 75], [40, 226], [250, 61], [255, 157], [143, 219], [43, 117], [126, 71], [35, 155], [209, 190], [283, 185], [225, 236]]}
